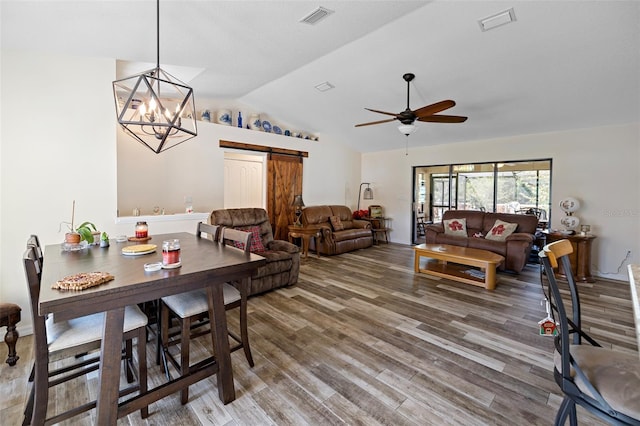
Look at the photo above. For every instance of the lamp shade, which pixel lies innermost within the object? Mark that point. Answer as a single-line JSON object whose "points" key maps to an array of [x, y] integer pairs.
{"points": [[368, 193], [297, 201]]}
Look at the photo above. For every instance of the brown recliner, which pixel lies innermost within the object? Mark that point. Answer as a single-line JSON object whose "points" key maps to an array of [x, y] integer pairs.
{"points": [[283, 258], [355, 235]]}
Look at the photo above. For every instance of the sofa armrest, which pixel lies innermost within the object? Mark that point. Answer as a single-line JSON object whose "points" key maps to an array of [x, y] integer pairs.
{"points": [[520, 236], [435, 227], [281, 245], [431, 232], [518, 247], [358, 223]]}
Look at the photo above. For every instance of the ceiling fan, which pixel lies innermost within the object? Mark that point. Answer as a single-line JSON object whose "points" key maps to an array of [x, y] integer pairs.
{"points": [[427, 113]]}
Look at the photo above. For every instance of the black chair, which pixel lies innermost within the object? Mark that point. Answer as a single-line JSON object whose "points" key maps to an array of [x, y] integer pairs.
{"points": [[603, 381], [73, 341], [191, 310]]}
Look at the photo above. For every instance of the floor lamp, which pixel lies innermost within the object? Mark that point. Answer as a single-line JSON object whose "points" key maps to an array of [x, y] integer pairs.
{"points": [[368, 193]]}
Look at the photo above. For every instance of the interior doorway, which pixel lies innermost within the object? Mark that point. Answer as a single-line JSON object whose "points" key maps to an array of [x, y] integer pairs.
{"points": [[244, 180]]}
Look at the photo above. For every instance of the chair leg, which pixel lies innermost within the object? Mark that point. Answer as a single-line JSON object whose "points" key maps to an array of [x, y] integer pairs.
{"points": [[142, 368], [567, 408], [32, 375], [159, 325], [573, 415], [41, 392], [128, 360], [184, 356], [28, 409], [10, 339], [244, 331], [163, 334]]}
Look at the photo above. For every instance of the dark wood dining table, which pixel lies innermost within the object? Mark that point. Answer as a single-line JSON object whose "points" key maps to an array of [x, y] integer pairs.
{"points": [[205, 264]]}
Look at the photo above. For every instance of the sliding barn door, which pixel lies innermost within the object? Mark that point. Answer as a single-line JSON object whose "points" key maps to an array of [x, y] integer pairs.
{"points": [[284, 181]]}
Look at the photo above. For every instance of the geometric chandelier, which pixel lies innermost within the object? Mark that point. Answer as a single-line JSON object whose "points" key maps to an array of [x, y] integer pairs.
{"points": [[154, 107]]}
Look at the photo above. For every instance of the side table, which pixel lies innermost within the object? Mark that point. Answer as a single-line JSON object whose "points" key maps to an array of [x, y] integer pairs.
{"points": [[378, 228], [580, 258], [305, 234]]}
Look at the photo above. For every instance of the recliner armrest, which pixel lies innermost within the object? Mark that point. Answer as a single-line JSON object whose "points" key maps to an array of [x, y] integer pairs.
{"points": [[358, 223]]}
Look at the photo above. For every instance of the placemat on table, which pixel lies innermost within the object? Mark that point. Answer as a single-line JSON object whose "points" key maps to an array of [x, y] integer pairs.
{"points": [[82, 281]]}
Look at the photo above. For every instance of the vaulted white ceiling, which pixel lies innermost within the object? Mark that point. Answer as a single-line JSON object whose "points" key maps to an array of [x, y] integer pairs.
{"points": [[561, 65]]}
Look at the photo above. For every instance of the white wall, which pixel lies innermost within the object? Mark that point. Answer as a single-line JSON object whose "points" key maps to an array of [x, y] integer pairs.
{"points": [[196, 168], [598, 166], [58, 144]]}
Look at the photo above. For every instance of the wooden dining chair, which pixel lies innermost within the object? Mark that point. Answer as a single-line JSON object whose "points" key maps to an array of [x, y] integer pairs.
{"points": [[239, 291], [191, 310], [605, 382], [211, 232], [70, 341]]}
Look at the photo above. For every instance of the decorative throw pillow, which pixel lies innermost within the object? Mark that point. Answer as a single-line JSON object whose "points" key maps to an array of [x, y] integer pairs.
{"points": [[456, 227], [336, 223], [255, 242], [501, 230]]}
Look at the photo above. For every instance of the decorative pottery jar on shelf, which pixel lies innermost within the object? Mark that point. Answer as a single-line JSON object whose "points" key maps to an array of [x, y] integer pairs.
{"points": [[224, 117], [254, 122], [569, 206]]}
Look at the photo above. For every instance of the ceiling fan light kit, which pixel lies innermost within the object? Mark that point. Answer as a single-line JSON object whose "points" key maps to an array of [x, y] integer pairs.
{"points": [[408, 117], [407, 129]]}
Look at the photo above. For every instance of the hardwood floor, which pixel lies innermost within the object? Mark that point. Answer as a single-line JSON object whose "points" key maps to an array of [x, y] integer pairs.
{"points": [[363, 340]]}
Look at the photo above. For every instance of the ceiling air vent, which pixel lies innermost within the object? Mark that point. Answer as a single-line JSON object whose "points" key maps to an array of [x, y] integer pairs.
{"points": [[316, 16], [323, 87], [497, 20]]}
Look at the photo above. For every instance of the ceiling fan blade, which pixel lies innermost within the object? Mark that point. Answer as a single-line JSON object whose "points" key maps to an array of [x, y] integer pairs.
{"points": [[434, 108], [444, 119], [381, 112], [375, 122]]}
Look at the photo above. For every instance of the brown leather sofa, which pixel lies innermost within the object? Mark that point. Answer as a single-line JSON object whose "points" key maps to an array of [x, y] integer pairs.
{"points": [[355, 235], [515, 248], [283, 258]]}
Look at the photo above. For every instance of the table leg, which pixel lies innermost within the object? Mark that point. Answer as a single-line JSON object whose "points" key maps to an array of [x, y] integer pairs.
{"points": [[220, 341], [305, 245], [107, 401], [315, 239], [490, 276], [416, 262]]}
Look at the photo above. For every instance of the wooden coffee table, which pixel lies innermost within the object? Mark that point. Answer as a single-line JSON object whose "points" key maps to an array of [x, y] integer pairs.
{"points": [[452, 262]]}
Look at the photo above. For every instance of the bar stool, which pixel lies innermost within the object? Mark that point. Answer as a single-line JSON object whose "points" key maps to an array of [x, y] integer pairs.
{"points": [[9, 317]]}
